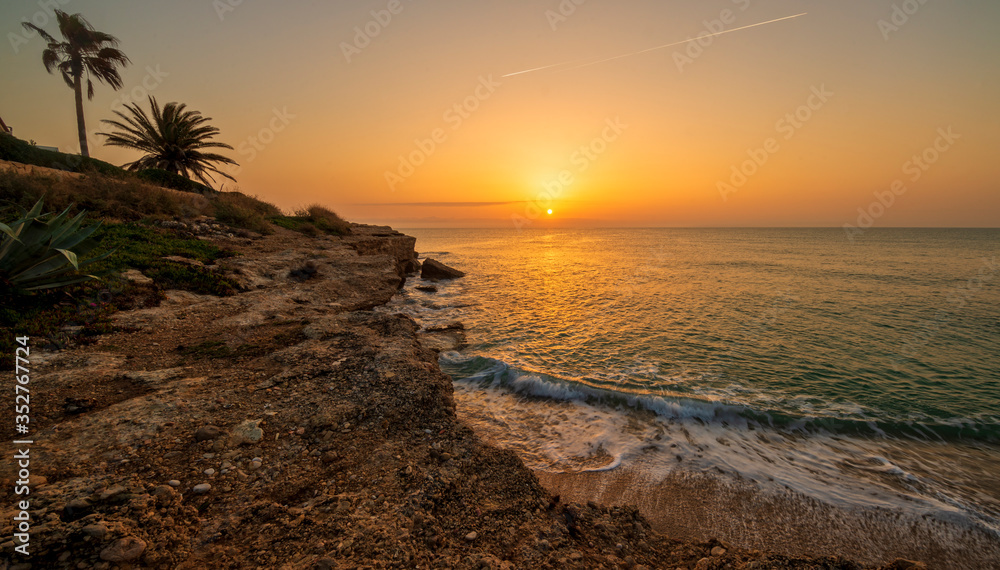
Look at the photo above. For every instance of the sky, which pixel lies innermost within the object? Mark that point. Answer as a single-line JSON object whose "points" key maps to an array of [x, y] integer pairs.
{"points": [[859, 113]]}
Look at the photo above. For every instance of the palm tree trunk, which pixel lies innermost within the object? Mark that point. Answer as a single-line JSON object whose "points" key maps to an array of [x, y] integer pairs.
{"points": [[80, 124]]}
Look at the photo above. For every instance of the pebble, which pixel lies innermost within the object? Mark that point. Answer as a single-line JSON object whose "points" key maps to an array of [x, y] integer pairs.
{"points": [[471, 536], [255, 465], [112, 492], [202, 488], [209, 472], [718, 551], [95, 530], [174, 483], [124, 549]]}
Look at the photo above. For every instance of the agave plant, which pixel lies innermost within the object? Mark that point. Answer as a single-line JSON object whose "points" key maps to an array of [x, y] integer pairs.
{"points": [[42, 251]]}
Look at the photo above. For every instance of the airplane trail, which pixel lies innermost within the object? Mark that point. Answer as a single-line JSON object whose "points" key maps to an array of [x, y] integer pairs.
{"points": [[607, 59]]}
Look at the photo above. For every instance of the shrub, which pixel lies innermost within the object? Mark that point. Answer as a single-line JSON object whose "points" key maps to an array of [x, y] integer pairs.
{"points": [[313, 221], [325, 220], [242, 211], [16, 150], [173, 181], [38, 253]]}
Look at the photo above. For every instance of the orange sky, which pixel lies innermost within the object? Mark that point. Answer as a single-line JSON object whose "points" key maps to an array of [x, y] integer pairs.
{"points": [[647, 140]]}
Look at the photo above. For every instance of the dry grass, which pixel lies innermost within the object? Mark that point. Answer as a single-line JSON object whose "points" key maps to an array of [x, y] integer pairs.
{"points": [[324, 219], [242, 211], [126, 200]]}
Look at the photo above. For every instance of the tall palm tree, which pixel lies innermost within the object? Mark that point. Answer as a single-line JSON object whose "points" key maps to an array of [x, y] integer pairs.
{"points": [[85, 52], [172, 138]]}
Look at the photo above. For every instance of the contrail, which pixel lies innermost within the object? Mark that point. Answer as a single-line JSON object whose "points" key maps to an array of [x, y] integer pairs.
{"points": [[589, 63]]}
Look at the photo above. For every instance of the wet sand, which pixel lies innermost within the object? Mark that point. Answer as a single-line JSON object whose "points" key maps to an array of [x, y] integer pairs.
{"points": [[700, 507]]}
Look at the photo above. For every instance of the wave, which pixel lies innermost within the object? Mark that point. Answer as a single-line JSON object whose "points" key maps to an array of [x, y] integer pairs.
{"points": [[496, 374]]}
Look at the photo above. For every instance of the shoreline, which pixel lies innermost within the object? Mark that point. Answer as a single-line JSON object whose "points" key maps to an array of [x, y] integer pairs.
{"points": [[690, 506], [291, 426]]}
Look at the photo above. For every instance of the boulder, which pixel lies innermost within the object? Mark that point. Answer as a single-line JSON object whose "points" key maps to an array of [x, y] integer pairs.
{"points": [[433, 269]]}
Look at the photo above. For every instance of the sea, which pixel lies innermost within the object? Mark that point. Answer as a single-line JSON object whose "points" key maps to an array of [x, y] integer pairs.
{"points": [[857, 373]]}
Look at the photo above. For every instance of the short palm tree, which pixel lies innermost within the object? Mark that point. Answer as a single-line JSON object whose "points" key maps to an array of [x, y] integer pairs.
{"points": [[172, 138], [85, 53]]}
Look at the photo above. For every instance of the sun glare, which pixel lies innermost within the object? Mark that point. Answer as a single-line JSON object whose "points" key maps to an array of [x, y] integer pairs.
{"points": [[550, 212]]}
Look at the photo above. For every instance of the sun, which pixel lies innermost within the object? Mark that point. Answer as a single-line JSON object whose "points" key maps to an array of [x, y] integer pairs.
{"points": [[550, 211]]}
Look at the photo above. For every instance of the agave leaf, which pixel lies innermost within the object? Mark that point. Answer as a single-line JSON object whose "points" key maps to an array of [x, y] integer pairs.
{"points": [[63, 283], [74, 239], [6, 230], [61, 228], [35, 211], [53, 264], [71, 257]]}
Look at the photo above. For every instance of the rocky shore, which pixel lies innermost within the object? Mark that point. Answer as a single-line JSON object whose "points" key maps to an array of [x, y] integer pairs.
{"points": [[290, 426]]}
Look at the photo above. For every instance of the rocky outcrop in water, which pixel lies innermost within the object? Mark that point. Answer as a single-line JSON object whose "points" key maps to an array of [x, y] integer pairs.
{"points": [[433, 269]]}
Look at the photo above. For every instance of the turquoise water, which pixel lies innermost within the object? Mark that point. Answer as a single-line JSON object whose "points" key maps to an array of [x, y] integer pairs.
{"points": [[783, 356]]}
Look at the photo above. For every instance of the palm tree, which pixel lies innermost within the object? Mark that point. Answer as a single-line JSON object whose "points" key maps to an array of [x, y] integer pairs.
{"points": [[173, 139], [86, 52]]}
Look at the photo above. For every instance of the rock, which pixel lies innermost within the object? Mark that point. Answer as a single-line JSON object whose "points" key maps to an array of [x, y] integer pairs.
{"points": [[136, 276], [433, 269], [76, 509], [206, 433], [248, 432], [210, 472], [95, 530], [202, 488], [471, 536], [124, 549], [174, 483], [113, 492], [718, 551]]}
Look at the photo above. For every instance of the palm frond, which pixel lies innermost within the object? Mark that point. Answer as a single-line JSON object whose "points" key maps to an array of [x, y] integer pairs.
{"points": [[171, 138]]}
